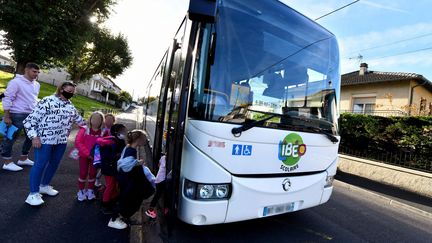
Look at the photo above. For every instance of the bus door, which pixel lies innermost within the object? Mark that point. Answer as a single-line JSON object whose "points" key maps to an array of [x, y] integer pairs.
{"points": [[170, 140]]}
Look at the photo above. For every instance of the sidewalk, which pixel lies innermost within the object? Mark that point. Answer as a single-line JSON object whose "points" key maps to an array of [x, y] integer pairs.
{"points": [[403, 197], [61, 218]]}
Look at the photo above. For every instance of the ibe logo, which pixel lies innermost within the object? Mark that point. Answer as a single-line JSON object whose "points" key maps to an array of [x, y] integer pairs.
{"points": [[291, 149]]}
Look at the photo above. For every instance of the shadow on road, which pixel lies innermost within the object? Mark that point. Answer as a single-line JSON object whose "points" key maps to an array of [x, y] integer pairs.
{"points": [[394, 193]]}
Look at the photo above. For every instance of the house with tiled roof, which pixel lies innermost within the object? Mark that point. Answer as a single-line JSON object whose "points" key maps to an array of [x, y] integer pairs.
{"points": [[385, 93]]}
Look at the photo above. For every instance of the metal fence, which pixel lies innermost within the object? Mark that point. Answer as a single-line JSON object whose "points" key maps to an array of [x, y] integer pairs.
{"points": [[378, 112], [106, 110], [413, 158]]}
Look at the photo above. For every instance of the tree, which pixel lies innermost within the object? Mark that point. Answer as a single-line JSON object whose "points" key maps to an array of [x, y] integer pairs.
{"points": [[112, 95], [144, 100], [125, 96], [47, 31], [104, 53]]}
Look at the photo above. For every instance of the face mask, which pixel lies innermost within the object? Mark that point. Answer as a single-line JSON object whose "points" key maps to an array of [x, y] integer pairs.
{"points": [[67, 95], [121, 136]]}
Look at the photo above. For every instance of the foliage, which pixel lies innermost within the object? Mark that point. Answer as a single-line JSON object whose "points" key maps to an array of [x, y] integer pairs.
{"points": [[125, 96], [48, 31], [7, 68], [386, 132], [378, 135], [103, 53], [112, 95], [146, 100]]}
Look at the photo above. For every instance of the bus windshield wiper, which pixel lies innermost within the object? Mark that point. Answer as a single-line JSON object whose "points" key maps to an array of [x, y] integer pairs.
{"points": [[320, 130], [236, 131]]}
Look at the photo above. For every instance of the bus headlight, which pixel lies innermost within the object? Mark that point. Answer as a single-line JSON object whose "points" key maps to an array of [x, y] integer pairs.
{"points": [[222, 191], [197, 191], [205, 191], [189, 189]]}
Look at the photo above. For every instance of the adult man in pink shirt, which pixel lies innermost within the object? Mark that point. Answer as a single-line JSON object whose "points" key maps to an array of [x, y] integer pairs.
{"points": [[20, 99]]}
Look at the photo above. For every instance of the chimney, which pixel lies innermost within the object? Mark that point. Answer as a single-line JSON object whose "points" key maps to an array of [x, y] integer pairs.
{"points": [[363, 69]]}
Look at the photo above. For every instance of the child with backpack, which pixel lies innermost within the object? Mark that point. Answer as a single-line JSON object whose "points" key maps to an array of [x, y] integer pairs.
{"points": [[84, 142], [106, 153], [133, 183]]}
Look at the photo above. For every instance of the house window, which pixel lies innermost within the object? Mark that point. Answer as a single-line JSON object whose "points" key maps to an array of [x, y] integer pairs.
{"points": [[364, 105], [423, 102]]}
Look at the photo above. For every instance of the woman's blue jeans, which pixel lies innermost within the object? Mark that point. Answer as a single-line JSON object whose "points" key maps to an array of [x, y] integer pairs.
{"points": [[47, 160]]}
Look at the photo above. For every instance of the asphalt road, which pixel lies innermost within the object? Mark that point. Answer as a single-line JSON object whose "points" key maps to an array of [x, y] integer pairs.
{"points": [[348, 217], [61, 218]]}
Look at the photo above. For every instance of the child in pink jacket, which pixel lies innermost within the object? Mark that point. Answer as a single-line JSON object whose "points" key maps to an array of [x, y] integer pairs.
{"points": [[84, 142]]}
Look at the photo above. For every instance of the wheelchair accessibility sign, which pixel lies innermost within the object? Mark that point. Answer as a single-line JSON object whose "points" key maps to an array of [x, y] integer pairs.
{"points": [[242, 149]]}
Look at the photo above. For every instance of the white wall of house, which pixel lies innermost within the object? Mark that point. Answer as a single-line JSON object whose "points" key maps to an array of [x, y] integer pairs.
{"points": [[6, 61], [54, 76], [91, 88]]}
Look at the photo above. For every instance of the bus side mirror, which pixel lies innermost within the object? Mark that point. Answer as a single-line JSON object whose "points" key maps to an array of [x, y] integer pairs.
{"points": [[202, 10]]}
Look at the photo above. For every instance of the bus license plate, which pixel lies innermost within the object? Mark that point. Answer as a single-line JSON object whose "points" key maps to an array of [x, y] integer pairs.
{"points": [[278, 209]]}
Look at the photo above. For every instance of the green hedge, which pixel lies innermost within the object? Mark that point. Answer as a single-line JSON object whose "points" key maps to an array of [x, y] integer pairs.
{"points": [[377, 135]]}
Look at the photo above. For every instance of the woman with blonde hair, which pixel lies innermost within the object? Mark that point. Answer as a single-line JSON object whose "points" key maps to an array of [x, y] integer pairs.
{"points": [[48, 126]]}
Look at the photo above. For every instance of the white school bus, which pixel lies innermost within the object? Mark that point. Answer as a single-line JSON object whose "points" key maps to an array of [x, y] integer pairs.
{"points": [[244, 104]]}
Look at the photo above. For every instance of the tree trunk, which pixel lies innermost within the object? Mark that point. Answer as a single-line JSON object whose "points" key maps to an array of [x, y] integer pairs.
{"points": [[77, 79], [20, 67]]}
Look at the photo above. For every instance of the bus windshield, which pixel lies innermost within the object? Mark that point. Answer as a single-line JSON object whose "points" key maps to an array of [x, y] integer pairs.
{"points": [[262, 59]]}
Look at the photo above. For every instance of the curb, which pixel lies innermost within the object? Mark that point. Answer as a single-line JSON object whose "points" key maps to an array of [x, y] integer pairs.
{"points": [[389, 201]]}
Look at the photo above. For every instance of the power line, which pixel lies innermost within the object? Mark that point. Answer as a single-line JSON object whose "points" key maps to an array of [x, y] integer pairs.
{"points": [[392, 43], [337, 10], [403, 53]]}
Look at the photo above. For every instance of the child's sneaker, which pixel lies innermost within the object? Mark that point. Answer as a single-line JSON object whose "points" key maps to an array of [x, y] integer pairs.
{"points": [[117, 223], [90, 194], [81, 195], [151, 213]]}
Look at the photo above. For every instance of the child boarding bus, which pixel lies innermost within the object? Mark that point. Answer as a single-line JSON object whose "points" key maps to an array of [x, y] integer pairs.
{"points": [[244, 103]]}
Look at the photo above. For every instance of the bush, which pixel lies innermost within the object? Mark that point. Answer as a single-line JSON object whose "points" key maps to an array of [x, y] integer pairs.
{"points": [[375, 136], [7, 68]]}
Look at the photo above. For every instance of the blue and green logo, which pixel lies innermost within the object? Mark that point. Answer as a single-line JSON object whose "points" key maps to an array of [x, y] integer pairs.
{"points": [[291, 149]]}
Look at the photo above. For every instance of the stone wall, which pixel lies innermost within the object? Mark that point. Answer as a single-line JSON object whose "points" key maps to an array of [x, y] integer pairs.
{"points": [[407, 179]]}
